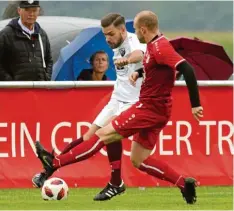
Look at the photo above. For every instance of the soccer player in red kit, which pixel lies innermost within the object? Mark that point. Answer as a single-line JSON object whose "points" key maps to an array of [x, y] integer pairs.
{"points": [[146, 118]]}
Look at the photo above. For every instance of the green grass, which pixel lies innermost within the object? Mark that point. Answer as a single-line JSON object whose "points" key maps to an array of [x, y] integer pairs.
{"points": [[222, 38], [209, 198]]}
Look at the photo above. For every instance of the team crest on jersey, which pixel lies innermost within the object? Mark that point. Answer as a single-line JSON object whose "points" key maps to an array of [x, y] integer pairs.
{"points": [[122, 51]]}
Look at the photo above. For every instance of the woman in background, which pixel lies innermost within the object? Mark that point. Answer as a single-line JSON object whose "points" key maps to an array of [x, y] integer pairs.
{"points": [[100, 63]]}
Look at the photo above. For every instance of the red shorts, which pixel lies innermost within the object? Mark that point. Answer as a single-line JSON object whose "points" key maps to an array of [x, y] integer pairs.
{"points": [[144, 120]]}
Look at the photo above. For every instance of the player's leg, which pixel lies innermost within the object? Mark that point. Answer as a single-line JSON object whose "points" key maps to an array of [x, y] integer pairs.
{"points": [[148, 119], [101, 120], [85, 137], [81, 152], [114, 152], [92, 130], [86, 149], [126, 124], [138, 154], [39, 179], [141, 159], [116, 185], [78, 153]]}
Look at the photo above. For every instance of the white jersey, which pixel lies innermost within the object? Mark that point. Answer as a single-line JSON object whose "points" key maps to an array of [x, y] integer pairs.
{"points": [[123, 90]]}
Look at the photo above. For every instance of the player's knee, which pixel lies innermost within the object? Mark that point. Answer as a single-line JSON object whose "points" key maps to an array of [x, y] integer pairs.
{"points": [[101, 133], [104, 132], [86, 137], [135, 162]]}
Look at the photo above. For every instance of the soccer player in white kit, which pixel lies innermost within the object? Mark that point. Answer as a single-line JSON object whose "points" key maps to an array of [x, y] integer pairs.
{"points": [[128, 56]]}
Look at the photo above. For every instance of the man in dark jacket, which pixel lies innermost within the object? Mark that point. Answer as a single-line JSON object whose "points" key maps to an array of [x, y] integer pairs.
{"points": [[25, 53]]}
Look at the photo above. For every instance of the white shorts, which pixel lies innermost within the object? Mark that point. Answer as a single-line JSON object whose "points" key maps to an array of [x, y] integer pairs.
{"points": [[113, 108]]}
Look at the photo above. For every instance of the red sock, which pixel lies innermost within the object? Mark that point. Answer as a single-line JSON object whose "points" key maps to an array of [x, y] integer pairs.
{"points": [[162, 171], [72, 145], [81, 152], [114, 151]]}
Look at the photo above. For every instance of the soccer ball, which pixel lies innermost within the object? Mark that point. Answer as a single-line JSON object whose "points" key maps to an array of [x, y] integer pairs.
{"points": [[54, 189]]}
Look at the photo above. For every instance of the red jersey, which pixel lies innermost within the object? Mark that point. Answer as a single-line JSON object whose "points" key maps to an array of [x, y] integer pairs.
{"points": [[160, 61]]}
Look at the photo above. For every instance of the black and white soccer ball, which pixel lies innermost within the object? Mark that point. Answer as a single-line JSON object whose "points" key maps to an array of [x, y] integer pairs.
{"points": [[54, 189]]}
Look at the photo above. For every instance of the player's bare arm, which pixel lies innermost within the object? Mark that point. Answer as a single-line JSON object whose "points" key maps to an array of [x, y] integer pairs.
{"points": [[187, 70], [134, 57]]}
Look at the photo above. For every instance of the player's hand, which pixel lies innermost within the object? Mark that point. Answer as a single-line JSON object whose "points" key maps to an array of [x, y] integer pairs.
{"points": [[133, 78], [197, 112], [121, 62]]}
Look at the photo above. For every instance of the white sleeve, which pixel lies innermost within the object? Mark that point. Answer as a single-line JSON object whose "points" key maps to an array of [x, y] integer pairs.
{"points": [[136, 45]]}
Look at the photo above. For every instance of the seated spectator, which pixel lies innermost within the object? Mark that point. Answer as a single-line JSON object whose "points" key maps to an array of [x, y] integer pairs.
{"points": [[100, 62]]}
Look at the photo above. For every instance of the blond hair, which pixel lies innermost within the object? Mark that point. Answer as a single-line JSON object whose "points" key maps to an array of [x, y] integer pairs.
{"points": [[147, 19]]}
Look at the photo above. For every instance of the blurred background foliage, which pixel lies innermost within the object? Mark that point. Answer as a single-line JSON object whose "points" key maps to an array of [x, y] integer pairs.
{"points": [[208, 20]]}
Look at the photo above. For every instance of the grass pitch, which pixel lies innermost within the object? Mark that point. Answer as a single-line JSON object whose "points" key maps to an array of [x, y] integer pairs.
{"points": [[209, 198]]}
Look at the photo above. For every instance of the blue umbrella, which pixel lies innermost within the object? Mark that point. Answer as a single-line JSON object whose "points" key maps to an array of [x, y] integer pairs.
{"points": [[75, 56]]}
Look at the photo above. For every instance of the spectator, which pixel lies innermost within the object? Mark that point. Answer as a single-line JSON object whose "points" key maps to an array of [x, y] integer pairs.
{"points": [[25, 53], [100, 63], [11, 10]]}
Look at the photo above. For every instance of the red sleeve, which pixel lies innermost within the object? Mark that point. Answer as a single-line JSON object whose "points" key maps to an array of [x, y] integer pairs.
{"points": [[165, 54]]}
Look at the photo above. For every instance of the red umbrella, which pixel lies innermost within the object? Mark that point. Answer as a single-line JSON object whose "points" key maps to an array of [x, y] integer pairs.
{"points": [[209, 60]]}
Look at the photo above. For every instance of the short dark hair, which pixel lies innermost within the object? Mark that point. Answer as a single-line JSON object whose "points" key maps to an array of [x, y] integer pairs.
{"points": [[95, 54], [112, 18]]}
